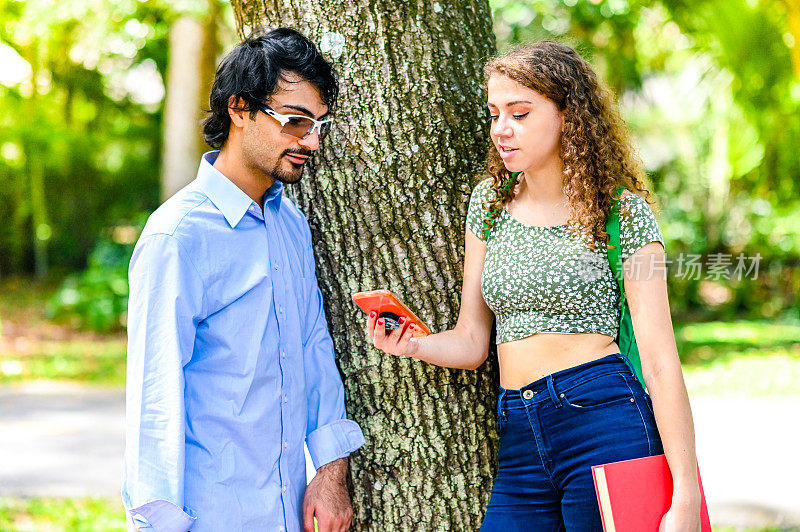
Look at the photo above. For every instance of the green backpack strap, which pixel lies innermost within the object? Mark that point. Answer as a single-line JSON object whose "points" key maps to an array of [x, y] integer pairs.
{"points": [[625, 338]]}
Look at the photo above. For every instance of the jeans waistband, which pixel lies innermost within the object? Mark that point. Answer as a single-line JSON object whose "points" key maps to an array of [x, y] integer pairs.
{"points": [[545, 388]]}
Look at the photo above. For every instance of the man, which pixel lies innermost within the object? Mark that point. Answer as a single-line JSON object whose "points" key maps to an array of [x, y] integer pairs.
{"points": [[230, 364]]}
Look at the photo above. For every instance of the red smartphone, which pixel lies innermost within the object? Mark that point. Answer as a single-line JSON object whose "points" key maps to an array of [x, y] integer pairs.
{"points": [[385, 302]]}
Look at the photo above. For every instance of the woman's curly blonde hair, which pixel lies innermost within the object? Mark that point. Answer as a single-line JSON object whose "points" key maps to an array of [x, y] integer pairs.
{"points": [[595, 146]]}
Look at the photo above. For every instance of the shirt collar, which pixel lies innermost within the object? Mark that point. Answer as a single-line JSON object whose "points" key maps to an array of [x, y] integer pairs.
{"points": [[274, 195], [231, 201]]}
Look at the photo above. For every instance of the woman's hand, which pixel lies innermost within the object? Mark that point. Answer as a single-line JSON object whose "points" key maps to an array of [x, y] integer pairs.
{"points": [[681, 517], [398, 342]]}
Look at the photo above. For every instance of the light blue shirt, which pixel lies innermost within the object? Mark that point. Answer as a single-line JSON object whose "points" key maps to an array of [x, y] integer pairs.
{"points": [[230, 364]]}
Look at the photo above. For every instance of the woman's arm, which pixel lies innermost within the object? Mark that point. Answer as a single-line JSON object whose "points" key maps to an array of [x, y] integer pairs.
{"points": [[646, 291], [467, 345]]}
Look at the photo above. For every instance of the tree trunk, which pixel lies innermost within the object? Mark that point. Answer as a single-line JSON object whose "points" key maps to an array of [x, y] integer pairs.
{"points": [[213, 24], [181, 106], [386, 200], [793, 24], [193, 49]]}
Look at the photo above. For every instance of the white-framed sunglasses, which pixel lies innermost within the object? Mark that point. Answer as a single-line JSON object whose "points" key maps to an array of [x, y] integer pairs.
{"points": [[298, 126]]}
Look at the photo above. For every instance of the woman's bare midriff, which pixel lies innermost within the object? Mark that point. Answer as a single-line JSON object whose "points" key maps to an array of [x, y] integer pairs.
{"points": [[529, 359]]}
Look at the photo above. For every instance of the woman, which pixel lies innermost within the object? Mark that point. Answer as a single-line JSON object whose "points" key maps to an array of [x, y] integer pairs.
{"points": [[536, 261]]}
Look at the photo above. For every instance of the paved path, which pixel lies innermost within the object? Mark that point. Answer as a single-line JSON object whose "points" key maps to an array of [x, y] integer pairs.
{"points": [[65, 440], [60, 440]]}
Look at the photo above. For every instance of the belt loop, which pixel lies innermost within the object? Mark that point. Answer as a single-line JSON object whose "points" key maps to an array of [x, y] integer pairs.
{"points": [[501, 407], [552, 390], [627, 362]]}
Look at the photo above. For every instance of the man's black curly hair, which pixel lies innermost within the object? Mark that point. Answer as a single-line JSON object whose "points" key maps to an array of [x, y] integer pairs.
{"points": [[251, 71]]}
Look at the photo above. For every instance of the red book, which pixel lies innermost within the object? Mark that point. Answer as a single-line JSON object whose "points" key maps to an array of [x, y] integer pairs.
{"points": [[635, 494]]}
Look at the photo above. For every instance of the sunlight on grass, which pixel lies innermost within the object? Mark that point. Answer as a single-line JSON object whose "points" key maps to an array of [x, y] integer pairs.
{"points": [[752, 373], [46, 514], [771, 529], [100, 362], [104, 515], [743, 332], [750, 358]]}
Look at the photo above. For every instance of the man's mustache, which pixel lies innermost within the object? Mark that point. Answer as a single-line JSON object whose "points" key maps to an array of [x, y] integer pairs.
{"points": [[300, 151]]}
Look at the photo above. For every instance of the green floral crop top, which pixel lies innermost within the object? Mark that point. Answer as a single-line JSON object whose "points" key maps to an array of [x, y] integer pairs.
{"points": [[540, 279]]}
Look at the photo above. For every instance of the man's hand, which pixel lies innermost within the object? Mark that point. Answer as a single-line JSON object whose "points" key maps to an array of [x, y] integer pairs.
{"points": [[327, 499]]}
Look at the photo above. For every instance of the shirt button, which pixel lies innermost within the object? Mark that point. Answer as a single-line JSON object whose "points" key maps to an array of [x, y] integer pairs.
{"points": [[285, 398], [280, 309], [281, 529], [284, 489], [283, 354], [275, 266], [286, 445]]}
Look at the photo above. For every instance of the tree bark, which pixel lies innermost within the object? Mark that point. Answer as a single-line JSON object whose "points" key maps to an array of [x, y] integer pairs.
{"points": [[386, 200]]}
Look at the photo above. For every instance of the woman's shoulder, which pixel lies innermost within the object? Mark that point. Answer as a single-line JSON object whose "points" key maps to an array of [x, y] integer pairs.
{"points": [[480, 193], [483, 187], [635, 204], [638, 224], [629, 196]]}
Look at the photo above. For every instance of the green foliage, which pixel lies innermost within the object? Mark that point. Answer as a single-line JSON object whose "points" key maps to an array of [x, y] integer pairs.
{"points": [[58, 514], [713, 102], [80, 126], [602, 30], [97, 298], [707, 87]]}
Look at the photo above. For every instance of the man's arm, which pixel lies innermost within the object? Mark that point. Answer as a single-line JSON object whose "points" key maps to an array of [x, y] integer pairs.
{"points": [[166, 298]]}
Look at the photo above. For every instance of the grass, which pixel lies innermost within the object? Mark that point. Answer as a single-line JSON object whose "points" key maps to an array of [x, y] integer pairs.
{"points": [[753, 358], [103, 515], [33, 347], [96, 362], [769, 372], [47, 514], [704, 343], [771, 529]]}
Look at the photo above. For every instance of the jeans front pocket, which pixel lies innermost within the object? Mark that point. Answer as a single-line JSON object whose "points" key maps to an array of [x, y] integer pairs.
{"points": [[598, 392]]}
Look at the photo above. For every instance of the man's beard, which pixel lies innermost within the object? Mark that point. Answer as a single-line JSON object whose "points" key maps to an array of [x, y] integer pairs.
{"points": [[279, 174]]}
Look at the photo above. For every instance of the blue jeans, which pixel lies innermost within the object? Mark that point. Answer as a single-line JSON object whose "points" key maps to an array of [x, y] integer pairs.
{"points": [[553, 431]]}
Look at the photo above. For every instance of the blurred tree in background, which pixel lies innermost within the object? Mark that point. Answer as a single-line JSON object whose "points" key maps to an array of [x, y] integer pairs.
{"points": [[81, 94], [710, 88], [88, 146]]}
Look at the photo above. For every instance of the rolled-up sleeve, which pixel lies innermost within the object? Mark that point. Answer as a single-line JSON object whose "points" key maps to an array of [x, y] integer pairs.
{"points": [[329, 434], [166, 300]]}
